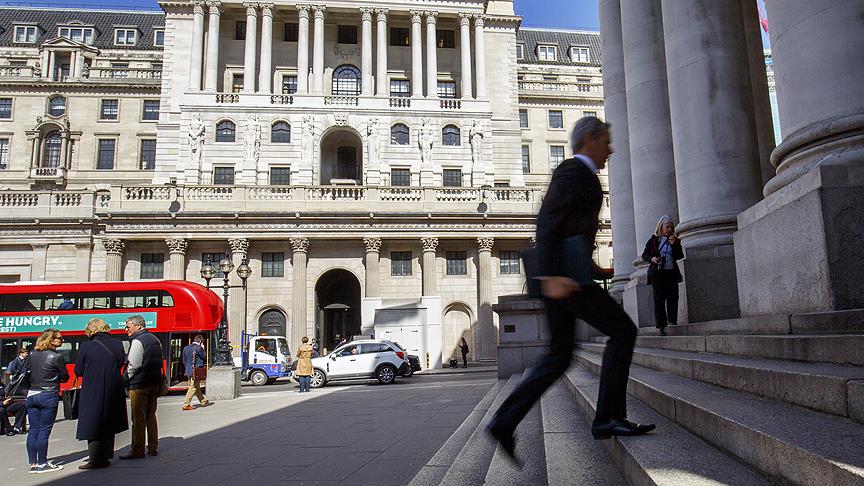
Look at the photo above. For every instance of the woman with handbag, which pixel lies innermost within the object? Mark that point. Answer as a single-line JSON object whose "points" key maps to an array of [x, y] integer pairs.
{"points": [[102, 399], [47, 370], [662, 252]]}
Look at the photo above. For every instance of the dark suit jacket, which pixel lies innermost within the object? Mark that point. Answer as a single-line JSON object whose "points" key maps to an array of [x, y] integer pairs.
{"points": [[194, 356], [652, 249]]}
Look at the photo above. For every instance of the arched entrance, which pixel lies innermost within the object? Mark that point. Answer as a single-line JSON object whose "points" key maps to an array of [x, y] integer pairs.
{"points": [[272, 323], [457, 324], [342, 157], [337, 294]]}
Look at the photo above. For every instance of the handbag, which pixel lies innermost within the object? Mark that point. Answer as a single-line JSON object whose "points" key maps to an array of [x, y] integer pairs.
{"points": [[70, 401], [200, 373]]}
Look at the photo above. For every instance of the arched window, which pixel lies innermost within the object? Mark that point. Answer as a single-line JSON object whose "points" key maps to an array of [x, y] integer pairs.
{"points": [[450, 136], [51, 149], [347, 81], [57, 106], [225, 131], [280, 132], [399, 134]]}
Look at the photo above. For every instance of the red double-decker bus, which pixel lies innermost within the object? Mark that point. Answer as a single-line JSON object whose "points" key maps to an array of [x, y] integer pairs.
{"points": [[174, 310]]}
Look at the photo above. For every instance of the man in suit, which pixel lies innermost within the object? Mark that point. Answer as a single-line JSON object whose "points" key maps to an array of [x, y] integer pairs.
{"points": [[571, 208]]}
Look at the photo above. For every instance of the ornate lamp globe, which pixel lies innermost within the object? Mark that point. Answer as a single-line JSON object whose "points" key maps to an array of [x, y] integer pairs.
{"points": [[226, 265], [243, 271], [207, 271]]}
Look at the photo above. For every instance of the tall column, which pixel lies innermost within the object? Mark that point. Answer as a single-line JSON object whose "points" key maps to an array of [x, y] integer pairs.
{"points": [[39, 262], [265, 75], [237, 297], [114, 249], [177, 258], [416, 54], [83, 258], [480, 54], [251, 44], [318, 51], [485, 322], [366, 61], [196, 63], [373, 247], [431, 55], [300, 247], [620, 182], [211, 78], [465, 47], [381, 72], [430, 245], [303, 50]]}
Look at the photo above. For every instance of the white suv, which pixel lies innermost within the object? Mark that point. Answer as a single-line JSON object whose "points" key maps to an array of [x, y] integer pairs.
{"points": [[358, 360]]}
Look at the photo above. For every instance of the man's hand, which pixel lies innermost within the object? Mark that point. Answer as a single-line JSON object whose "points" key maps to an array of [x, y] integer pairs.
{"points": [[7, 401], [655, 260], [559, 287]]}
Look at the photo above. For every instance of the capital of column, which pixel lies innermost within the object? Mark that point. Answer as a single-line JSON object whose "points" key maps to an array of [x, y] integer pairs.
{"points": [[416, 16], [319, 11], [251, 8], [373, 244], [114, 246], [215, 8], [198, 7], [366, 13], [429, 244], [266, 9], [303, 11], [465, 19], [431, 17], [177, 245], [382, 14], [479, 20], [300, 245], [239, 245], [485, 243]]}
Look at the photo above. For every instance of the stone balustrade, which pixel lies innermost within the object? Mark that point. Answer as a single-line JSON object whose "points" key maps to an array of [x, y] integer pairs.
{"points": [[557, 88], [125, 73], [348, 103], [51, 204], [17, 72]]}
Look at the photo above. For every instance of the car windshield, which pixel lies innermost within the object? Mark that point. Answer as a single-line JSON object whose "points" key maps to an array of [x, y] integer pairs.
{"points": [[283, 347]]}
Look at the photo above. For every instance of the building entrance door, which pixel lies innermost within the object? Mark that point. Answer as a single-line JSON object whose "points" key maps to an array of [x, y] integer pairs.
{"points": [[337, 294]]}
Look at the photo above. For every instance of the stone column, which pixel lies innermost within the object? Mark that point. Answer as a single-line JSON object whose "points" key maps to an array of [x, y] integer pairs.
{"points": [[251, 44], [366, 61], [211, 78], [465, 47], [177, 258], [620, 181], [237, 296], [196, 63], [486, 325], [480, 54], [318, 51], [265, 75], [83, 257], [373, 247], [416, 54], [430, 245], [303, 50], [114, 249], [39, 262], [431, 55], [300, 247], [381, 72]]}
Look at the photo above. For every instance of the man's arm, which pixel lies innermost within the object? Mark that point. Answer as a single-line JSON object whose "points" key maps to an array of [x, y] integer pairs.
{"points": [[135, 358], [562, 199]]}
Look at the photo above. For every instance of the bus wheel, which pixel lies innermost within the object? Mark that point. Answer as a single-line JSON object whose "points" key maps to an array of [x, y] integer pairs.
{"points": [[258, 378], [317, 380]]}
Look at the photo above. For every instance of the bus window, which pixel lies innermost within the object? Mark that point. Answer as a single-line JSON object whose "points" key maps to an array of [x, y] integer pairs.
{"points": [[167, 300], [95, 301], [8, 352], [131, 300], [22, 302], [60, 301]]}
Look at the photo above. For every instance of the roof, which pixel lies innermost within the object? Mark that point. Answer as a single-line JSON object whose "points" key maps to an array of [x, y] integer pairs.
{"points": [[104, 22], [564, 39]]}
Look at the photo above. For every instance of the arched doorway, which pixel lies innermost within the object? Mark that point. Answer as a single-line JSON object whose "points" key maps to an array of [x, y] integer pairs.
{"points": [[341, 158], [457, 324], [272, 323], [337, 294]]}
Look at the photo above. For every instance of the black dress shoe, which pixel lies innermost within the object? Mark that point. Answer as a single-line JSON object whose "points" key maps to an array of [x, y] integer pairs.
{"points": [[506, 440], [605, 430], [662, 331]]}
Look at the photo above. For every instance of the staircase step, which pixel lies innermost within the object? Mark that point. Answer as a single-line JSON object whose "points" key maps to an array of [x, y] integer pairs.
{"points": [[821, 386], [668, 456], [768, 324], [798, 445], [572, 454]]}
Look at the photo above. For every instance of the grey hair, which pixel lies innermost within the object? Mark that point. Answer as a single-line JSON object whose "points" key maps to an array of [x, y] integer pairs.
{"points": [[587, 125], [136, 320]]}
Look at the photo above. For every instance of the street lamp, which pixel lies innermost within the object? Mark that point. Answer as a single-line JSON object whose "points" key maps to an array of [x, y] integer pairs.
{"points": [[223, 346]]}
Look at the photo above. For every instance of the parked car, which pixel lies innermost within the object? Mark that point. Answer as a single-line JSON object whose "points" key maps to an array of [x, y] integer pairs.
{"points": [[413, 360], [361, 359]]}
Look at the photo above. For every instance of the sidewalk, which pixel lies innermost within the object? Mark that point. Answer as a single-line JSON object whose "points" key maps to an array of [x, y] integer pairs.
{"points": [[472, 368]]}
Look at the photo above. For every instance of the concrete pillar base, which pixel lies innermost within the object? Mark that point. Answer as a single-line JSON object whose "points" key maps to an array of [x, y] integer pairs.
{"points": [[223, 383], [709, 291], [639, 298], [523, 336]]}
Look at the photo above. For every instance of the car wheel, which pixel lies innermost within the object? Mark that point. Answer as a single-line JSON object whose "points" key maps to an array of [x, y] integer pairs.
{"points": [[318, 379], [409, 373], [258, 378], [386, 374]]}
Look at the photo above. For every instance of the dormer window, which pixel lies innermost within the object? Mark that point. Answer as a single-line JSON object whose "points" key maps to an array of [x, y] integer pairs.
{"points": [[125, 37], [78, 34], [520, 52], [159, 37], [580, 54], [25, 34], [547, 53]]}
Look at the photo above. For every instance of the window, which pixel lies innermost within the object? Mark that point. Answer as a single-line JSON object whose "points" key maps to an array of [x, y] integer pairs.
{"points": [[291, 32], [240, 30], [346, 163], [158, 37], [109, 110], [57, 106], [4, 153], [452, 177], [400, 177], [236, 83], [136, 299], [520, 52], [346, 81], [78, 34], [589, 113], [400, 88], [225, 131], [223, 176], [148, 154], [152, 265], [399, 134], [446, 89], [289, 84], [523, 118], [556, 156], [445, 39], [151, 110], [509, 262], [346, 34], [5, 108], [556, 119], [450, 136], [457, 263], [51, 150], [106, 154], [280, 176], [547, 53], [273, 264], [526, 159], [280, 132], [399, 36], [125, 37], [400, 263], [213, 258], [25, 34], [580, 54]]}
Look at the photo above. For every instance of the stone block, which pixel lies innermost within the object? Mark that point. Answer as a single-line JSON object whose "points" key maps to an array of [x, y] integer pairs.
{"points": [[223, 383], [836, 321], [710, 286], [680, 343], [769, 324], [855, 395], [842, 349], [639, 301], [514, 358]]}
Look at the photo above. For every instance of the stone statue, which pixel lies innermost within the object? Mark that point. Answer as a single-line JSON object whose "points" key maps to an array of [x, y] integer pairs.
{"points": [[372, 141], [475, 136], [307, 142], [196, 140], [252, 140], [426, 139]]}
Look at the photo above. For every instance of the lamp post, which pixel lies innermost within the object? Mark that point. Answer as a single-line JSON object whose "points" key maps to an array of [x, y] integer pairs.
{"points": [[226, 266]]}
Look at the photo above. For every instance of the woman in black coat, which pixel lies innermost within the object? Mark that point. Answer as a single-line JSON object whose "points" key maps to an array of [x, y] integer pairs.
{"points": [[102, 403], [662, 252]]}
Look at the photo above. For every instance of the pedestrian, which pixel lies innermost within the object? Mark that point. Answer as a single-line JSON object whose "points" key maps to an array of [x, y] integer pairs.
{"points": [[463, 348], [316, 348], [47, 372], [16, 364], [304, 364], [569, 213], [102, 400], [144, 381], [662, 252], [195, 363], [15, 403]]}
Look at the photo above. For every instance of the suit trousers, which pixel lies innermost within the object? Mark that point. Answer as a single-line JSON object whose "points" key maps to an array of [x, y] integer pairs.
{"points": [[143, 404], [101, 451], [594, 306]]}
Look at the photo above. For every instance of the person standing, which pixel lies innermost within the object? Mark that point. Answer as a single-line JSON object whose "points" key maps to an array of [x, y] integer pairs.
{"points": [[47, 372], [194, 360], [463, 348], [16, 365], [662, 252], [102, 401], [571, 208], [304, 364], [144, 381]]}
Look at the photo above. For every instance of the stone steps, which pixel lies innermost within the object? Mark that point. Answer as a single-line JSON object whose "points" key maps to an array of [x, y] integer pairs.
{"points": [[784, 441]]}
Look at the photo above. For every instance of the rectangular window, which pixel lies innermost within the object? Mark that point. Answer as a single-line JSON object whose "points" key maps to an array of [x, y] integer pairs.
{"points": [[346, 34], [289, 84], [240, 30], [399, 36], [291, 32], [520, 52], [148, 154], [236, 83], [25, 34], [526, 159], [556, 119], [213, 258], [158, 37], [272, 264], [452, 177], [580, 54], [446, 89], [556, 156], [77, 34], [151, 110], [280, 176], [547, 53], [223, 176], [152, 265], [5, 108], [457, 263], [106, 154], [446, 39], [400, 263], [589, 113], [4, 153], [125, 37], [400, 177], [523, 118], [509, 262], [110, 109], [400, 88]]}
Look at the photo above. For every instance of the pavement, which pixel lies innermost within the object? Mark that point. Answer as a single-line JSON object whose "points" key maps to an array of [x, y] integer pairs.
{"points": [[361, 433]]}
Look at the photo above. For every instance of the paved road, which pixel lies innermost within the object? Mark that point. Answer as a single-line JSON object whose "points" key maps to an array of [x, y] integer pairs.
{"points": [[357, 434]]}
